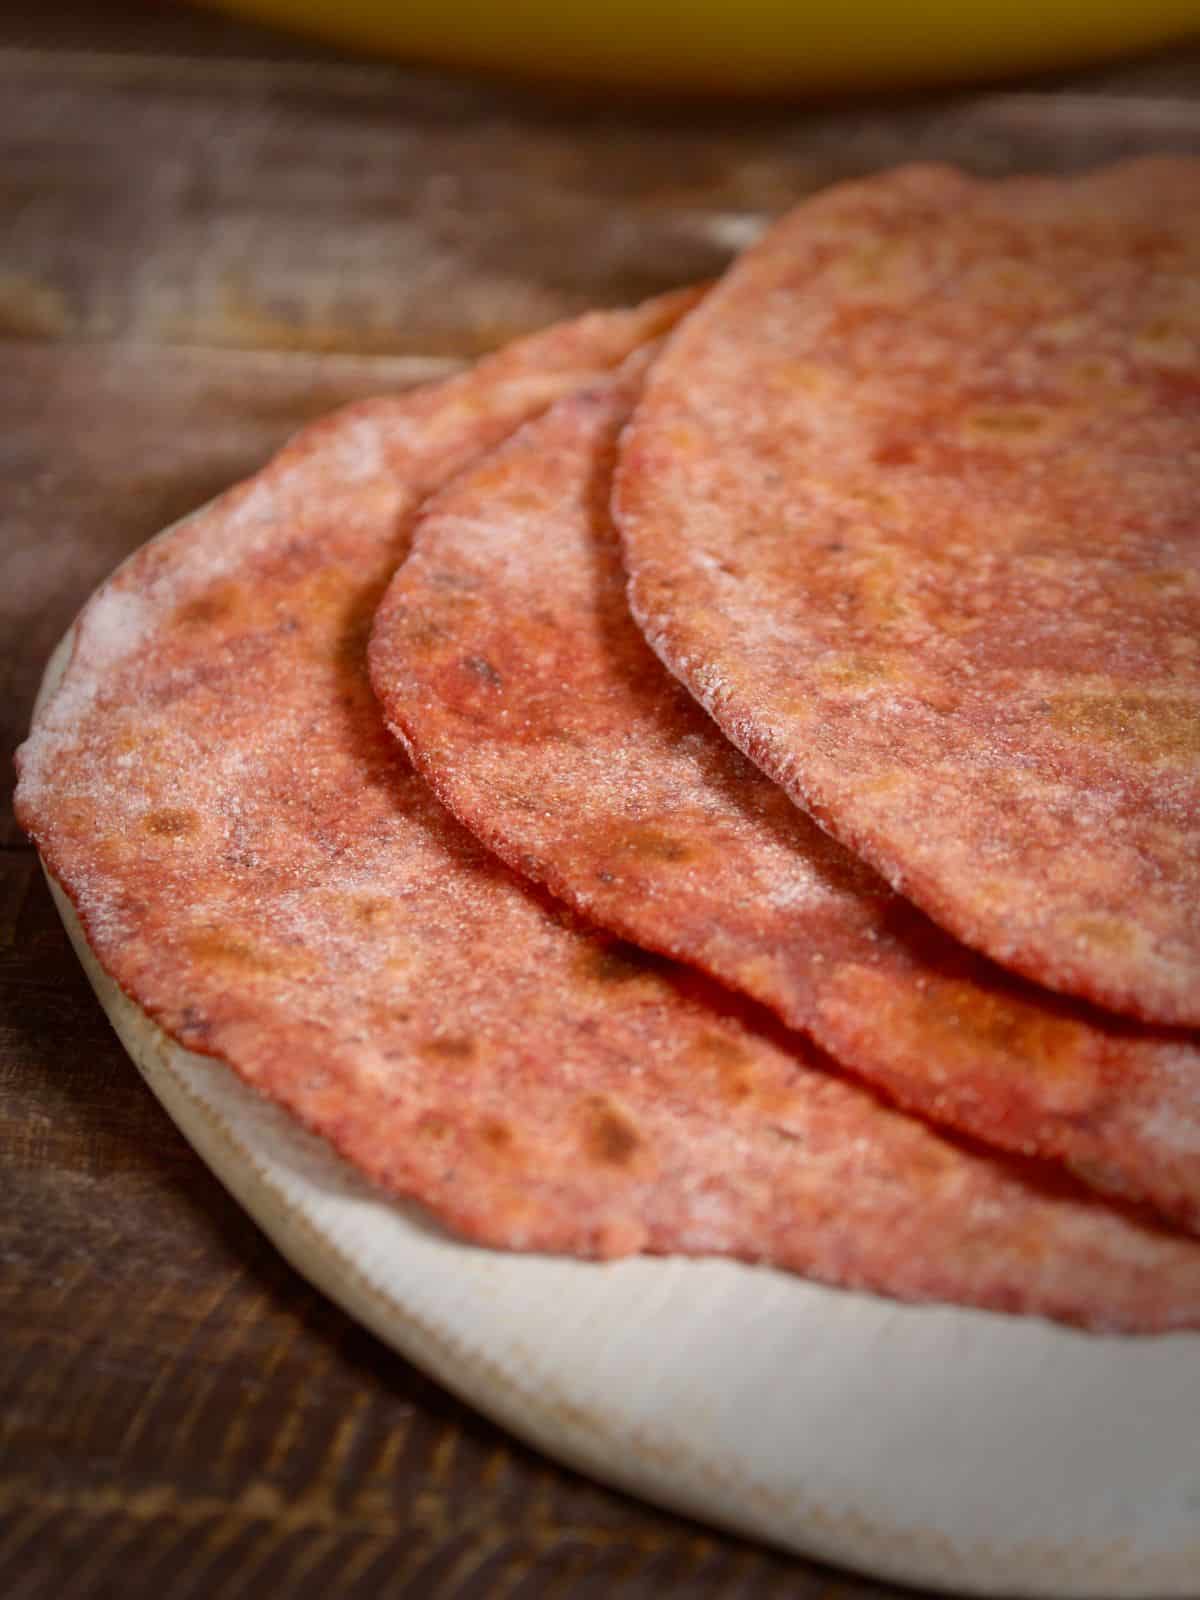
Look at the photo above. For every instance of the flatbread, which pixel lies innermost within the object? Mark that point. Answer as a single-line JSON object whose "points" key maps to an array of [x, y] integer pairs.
{"points": [[507, 662], [912, 505], [257, 866]]}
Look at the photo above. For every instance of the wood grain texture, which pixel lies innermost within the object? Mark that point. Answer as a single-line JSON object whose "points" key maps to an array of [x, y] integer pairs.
{"points": [[212, 234], [345, 207]]}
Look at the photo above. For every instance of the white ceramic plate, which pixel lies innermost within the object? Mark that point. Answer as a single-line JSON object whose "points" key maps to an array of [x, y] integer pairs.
{"points": [[956, 1449]]}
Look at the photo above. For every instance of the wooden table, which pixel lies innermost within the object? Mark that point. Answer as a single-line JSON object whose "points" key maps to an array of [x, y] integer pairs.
{"points": [[210, 235]]}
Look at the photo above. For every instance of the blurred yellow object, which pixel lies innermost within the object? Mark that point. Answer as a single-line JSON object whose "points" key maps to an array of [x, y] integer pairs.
{"points": [[740, 46]]}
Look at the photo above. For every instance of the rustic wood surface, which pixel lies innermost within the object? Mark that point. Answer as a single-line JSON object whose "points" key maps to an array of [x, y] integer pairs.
{"points": [[208, 235]]}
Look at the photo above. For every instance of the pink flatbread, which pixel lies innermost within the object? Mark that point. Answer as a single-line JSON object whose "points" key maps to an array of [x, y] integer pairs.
{"points": [[912, 505], [261, 871], [507, 662]]}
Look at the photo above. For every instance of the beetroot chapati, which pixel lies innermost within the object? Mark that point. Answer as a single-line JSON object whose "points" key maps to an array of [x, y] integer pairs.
{"points": [[506, 660], [258, 867], [912, 505]]}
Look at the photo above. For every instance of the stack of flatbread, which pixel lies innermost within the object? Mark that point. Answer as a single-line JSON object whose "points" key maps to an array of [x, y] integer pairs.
{"points": [[722, 777]]}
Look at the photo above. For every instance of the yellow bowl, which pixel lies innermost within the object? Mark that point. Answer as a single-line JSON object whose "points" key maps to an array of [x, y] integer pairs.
{"points": [[740, 46]]}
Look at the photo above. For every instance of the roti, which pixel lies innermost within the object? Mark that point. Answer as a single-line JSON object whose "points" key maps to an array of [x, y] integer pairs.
{"points": [[259, 869], [911, 506], [507, 662]]}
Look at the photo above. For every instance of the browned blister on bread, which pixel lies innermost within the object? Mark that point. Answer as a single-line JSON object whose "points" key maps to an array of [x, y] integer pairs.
{"points": [[912, 504], [506, 658], [258, 867]]}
